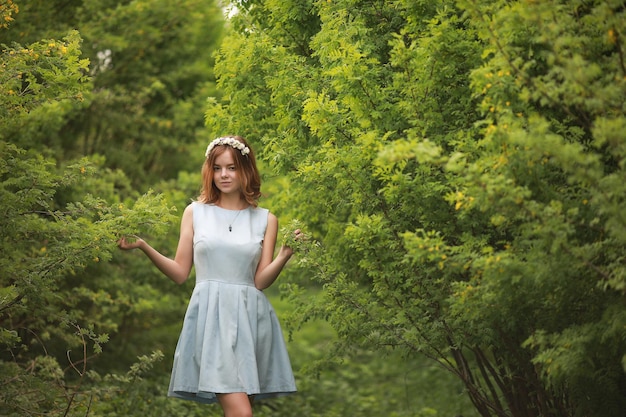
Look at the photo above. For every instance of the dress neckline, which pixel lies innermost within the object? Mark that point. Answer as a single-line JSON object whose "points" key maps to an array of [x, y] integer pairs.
{"points": [[227, 209]]}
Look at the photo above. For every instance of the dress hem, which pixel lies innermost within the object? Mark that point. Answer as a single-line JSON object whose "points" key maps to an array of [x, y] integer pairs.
{"points": [[208, 397]]}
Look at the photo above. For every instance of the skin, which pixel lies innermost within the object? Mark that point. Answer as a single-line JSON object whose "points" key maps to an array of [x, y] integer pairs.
{"points": [[237, 404], [227, 180]]}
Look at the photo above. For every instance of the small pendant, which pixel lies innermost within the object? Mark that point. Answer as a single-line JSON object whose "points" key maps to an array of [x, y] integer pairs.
{"points": [[230, 228]]}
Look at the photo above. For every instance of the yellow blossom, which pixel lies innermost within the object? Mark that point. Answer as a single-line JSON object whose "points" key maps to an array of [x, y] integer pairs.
{"points": [[612, 36]]}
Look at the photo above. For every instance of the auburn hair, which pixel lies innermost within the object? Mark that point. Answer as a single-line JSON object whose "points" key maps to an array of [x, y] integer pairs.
{"points": [[247, 172]]}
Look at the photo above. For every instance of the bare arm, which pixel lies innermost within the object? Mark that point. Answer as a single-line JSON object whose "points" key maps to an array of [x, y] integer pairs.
{"points": [[269, 268], [176, 269]]}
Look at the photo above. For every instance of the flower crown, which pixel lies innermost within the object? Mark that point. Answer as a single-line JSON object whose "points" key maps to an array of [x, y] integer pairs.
{"points": [[230, 141]]}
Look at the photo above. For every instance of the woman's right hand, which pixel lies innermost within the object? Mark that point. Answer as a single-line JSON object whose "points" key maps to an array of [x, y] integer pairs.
{"points": [[130, 242]]}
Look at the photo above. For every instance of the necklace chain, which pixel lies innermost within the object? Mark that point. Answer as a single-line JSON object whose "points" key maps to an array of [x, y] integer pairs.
{"points": [[230, 225]]}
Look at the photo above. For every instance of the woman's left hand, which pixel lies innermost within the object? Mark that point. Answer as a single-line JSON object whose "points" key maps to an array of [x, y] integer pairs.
{"points": [[287, 250]]}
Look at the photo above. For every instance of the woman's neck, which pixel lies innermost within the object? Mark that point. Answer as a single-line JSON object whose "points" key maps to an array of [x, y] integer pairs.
{"points": [[232, 202]]}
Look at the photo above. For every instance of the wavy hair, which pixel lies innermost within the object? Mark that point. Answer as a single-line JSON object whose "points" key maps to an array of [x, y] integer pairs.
{"points": [[246, 170]]}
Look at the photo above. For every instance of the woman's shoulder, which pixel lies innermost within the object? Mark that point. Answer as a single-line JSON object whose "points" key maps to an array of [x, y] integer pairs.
{"points": [[199, 205], [195, 206], [188, 211], [260, 211], [189, 207]]}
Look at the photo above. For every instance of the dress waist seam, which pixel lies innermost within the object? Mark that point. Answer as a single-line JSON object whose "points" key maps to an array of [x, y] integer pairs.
{"points": [[221, 281]]}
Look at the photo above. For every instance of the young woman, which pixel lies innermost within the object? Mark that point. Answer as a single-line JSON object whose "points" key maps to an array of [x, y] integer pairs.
{"points": [[231, 347]]}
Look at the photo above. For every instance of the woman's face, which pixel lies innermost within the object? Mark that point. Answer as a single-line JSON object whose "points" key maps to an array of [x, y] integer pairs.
{"points": [[225, 176]]}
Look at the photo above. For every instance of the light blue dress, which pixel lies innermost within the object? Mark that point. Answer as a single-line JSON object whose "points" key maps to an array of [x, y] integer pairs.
{"points": [[231, 340]]}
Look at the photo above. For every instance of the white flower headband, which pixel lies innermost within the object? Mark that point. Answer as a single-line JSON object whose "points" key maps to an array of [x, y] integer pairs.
{"points": [[230, 141]]}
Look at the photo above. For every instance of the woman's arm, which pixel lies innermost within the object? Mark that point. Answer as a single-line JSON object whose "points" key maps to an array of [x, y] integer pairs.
{"points": [[269, 268], [176, 269]]}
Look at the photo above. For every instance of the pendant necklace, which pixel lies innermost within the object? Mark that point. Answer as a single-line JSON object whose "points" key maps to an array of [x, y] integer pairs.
{"points": [[230, 225]]}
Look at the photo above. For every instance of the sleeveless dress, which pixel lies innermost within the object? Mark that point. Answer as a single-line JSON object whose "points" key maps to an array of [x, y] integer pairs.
{"points": [[231, 340]]}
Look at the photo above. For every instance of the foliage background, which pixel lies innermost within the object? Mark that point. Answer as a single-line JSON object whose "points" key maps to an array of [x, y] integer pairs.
{"points": [[457, 165]]}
